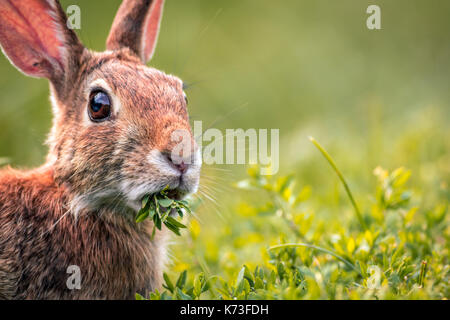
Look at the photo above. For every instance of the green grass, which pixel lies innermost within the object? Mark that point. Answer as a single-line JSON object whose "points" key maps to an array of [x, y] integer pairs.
{"points": [[341, 177], [393, 250]]}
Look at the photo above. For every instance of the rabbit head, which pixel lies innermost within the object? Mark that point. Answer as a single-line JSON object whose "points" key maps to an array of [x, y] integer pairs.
{"points": [[120, 129]]}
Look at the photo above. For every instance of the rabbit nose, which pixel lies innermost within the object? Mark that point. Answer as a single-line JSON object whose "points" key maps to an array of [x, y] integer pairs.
{"points": [[178, 163], [182, 167]]}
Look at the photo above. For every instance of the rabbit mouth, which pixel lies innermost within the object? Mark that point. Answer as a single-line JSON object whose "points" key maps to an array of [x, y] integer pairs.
{"points": [[176, 194]]}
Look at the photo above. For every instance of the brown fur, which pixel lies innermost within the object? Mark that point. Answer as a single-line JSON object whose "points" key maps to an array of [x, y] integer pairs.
{"points": [[74, 209], [39, 242]]}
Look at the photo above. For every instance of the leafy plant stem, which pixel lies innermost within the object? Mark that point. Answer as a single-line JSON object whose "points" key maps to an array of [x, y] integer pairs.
{"points": [[341, 177]]}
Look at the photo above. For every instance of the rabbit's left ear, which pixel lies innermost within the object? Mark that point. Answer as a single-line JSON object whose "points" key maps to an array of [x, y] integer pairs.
{"points": [[35, 38], [136, 26]]}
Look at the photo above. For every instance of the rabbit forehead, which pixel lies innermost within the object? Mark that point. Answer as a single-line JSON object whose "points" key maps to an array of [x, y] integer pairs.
{"points": [[139, 88], [123, 71]]}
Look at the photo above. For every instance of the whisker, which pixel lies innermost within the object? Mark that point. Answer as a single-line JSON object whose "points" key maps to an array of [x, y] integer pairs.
{"points": [[223, 117], [199, 37]]}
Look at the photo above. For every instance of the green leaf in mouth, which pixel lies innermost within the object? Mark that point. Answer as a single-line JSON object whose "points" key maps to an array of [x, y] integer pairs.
{"points": [[166, 202], [157, 207]]}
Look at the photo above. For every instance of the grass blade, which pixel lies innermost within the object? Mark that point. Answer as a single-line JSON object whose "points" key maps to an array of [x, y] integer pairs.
{"points": [[341, 177], [294, 245]]}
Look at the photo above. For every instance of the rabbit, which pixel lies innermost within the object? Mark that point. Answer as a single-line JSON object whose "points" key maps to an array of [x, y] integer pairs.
{"points": [[111, 144]]}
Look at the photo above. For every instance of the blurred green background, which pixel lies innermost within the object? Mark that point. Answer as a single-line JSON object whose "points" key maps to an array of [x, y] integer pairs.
{"points": [[308, 68]]}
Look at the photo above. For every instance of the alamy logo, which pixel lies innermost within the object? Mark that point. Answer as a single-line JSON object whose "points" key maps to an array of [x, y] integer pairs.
{"points": [[236, 146], [74, 280], [374, 20], [73, 17], [374, 280]]}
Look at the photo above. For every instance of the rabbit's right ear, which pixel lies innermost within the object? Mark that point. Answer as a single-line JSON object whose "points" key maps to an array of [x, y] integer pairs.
{"points": [[35, 37], [136, 27]]}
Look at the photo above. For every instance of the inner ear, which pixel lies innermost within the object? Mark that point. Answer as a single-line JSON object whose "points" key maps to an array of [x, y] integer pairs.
{"points": [[34, 36], [136, 26]]}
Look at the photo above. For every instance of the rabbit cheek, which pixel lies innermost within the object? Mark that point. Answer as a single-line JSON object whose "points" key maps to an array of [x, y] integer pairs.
{"points": [[89, 167]]}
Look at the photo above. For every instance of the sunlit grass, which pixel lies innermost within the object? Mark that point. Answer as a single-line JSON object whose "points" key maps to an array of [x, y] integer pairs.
{"points": [[274, 246]]}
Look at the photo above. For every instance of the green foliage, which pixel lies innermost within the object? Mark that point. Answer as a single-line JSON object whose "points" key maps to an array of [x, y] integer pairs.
{"points": [[158, 207], [400, 252]]}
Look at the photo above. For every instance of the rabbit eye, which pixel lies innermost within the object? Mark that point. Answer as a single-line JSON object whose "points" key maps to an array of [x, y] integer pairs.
{"points": [[99, 106]]}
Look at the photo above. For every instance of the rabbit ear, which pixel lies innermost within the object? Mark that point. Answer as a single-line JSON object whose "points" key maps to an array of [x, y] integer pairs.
{"points": [[136, 26], [35, 37]]}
